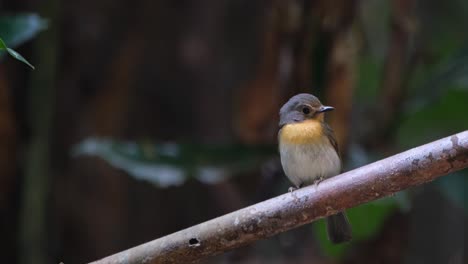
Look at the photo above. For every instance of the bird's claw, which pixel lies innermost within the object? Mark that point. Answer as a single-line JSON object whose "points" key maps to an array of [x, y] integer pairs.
{"points": [[317, 181]]}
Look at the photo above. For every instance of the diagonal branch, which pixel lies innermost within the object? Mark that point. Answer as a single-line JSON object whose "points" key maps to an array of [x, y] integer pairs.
{"points": [[379, 179]]}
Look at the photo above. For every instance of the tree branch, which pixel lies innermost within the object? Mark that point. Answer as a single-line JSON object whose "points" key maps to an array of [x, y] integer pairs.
{"points": [[379, 179]]}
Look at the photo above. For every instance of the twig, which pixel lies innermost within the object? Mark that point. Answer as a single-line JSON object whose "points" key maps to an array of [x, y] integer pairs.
{"points": [[379, 179]]}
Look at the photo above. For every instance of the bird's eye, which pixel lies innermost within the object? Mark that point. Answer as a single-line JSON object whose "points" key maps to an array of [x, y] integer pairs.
{"points": [[306, 110]]}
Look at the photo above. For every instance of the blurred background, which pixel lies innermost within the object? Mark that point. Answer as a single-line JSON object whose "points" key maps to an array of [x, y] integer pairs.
{"points": [[146, 117]]}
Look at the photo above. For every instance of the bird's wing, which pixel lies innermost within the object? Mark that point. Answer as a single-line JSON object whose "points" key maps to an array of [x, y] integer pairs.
{"points": [[331, 137]]}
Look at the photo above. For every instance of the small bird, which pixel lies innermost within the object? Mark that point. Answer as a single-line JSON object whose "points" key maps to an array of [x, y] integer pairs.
{"points": [[309, 152]]}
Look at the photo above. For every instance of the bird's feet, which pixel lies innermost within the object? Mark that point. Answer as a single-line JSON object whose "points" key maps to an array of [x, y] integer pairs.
{"points": [[292, 189], [317, 181]]}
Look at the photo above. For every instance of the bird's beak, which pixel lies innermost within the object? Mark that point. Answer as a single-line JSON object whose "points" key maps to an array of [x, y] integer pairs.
{"points": [[325, 108]]}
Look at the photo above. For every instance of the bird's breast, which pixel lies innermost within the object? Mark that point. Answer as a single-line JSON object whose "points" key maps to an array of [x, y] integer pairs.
{"points": [[308, 131], [306, 153]]}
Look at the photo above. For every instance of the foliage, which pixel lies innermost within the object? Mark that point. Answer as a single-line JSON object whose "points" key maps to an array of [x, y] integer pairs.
{"points": [[17, 29], [14, 54], [172, 164]]}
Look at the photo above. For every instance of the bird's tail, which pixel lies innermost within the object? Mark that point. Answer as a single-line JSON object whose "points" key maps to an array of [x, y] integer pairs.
{"points": [[339, 229]]}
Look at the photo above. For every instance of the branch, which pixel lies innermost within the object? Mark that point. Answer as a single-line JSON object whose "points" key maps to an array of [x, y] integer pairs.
{"points": [[379, 179]]}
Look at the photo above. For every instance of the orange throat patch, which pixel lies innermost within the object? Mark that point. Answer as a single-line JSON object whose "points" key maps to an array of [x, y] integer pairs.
{"points": [[305, 132]]}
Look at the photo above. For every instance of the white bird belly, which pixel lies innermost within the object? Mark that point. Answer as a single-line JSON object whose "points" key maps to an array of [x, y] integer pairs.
{"points": [[305, 163]]}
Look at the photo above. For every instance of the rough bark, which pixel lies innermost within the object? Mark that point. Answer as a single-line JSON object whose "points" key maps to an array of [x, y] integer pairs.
{"points": [[376, 180]]}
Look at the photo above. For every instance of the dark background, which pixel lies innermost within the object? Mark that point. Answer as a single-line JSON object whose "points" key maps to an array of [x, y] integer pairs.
{"points": [[146, 117]]}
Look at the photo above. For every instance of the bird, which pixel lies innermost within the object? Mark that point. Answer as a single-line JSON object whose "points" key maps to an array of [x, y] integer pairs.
{"points": [[309, 152]]}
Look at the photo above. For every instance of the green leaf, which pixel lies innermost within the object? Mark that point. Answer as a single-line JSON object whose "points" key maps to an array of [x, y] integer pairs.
{"points": [[19, 28], [14, 54]]}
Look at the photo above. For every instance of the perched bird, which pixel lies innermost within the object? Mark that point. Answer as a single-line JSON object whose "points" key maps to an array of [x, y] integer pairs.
{"points": [[309, 152]]}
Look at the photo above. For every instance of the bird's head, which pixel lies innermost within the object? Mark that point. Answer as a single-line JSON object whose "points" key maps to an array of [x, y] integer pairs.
{"points": [[302, 107]]}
